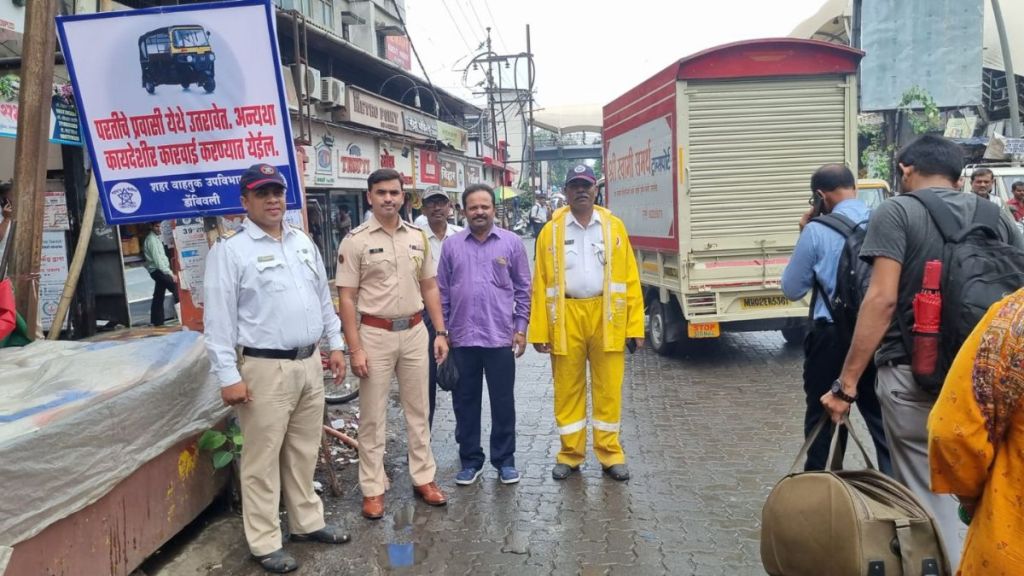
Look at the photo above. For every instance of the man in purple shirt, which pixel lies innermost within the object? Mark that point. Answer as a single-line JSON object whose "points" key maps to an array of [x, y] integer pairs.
{"points": [[484, 277]]}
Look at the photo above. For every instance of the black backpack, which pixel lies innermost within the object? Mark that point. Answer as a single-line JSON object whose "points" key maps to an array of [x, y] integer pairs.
{"points": [[978, 270], [852, 274]]}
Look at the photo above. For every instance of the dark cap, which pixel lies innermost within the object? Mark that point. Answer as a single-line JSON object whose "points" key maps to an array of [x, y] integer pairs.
{"points": [[580, 172], [434, 192], [260, 175]]}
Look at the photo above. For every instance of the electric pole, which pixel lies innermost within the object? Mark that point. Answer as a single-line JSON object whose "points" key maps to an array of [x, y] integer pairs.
{"points": [[529, 88], [36, 91], [1011, 80], [490, 96]]}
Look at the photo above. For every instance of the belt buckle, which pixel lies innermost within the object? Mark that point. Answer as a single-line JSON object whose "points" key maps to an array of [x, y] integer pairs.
{"points": [[305, 351], [400, 324]]}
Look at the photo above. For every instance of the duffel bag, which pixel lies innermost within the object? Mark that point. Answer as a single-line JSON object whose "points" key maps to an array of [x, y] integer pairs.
{"points": [[847, 522]]}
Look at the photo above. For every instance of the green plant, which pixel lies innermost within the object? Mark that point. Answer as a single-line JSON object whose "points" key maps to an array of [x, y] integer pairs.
{"points": [[875, 157], [9, 86], [925, 120], [225, 446]]}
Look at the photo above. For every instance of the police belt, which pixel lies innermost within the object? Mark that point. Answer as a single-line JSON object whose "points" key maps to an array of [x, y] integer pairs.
{"points": [[293, 354], [392, 324]]}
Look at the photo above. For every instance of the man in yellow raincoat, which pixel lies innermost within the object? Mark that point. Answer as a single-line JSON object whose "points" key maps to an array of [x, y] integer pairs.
{"points": [[586, 304]]}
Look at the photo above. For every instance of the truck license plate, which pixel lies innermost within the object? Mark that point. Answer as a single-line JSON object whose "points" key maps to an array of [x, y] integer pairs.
{"points": [[703, 330], [755, 302]]}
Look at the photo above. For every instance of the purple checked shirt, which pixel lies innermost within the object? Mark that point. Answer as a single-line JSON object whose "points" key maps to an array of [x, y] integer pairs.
{"points": [[485, 288]]}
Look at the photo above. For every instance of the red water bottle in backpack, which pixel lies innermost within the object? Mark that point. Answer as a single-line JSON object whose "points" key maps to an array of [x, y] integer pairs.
{"points": [[927, 321]]}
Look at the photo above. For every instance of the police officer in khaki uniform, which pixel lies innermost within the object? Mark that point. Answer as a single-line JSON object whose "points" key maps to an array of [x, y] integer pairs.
{"points": [[266, 292], [387, 275]]}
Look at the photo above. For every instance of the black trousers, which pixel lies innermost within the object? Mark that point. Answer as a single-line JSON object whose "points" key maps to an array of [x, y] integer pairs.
{"points": [[537, 226], [824, 353], [499, 366], [162, 283]]}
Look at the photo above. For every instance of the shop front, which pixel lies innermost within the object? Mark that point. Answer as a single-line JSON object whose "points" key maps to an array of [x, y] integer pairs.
{"points": [[340, 161]]}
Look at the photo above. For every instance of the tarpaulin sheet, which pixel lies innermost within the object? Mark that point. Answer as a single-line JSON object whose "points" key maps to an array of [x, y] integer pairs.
{"points": [[76, 418]]}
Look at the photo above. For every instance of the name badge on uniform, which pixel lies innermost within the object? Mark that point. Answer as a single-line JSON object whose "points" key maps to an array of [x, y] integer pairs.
{"points": [[267, 258], [376, 250], [570, 241], [415, 247]]}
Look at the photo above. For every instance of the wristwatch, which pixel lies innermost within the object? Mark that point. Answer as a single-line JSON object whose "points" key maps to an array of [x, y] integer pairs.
{"points": [[442, 333], [837, 391]]}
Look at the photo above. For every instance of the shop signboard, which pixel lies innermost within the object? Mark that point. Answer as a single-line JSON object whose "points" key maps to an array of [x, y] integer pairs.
{"points": [[453, 136], [396, 156], [363, 108], [421, 124], [167, 145], [356, 160], [396, 50], [429, 171], [473, 174], [449, 174]]}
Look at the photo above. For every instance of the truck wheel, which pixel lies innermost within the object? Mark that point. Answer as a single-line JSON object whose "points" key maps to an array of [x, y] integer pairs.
{"points": [[149, 86], [210, 85], [794, 334], [657, 329]]}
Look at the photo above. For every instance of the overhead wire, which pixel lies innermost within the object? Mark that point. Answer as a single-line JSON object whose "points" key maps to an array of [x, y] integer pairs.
{"points": [[494, 20], [452, 17], [469, 23], [453, 117]]}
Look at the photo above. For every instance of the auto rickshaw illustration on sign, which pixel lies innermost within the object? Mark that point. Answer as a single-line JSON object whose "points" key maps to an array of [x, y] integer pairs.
{"points": [[177, 55]]}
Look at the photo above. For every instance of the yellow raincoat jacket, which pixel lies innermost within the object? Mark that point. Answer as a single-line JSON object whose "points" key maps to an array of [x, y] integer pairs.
{"points": [[623, 300]]}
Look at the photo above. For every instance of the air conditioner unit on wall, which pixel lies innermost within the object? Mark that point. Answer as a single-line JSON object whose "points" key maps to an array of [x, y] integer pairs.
{"points": [[309, 82], [332, 92], [313, 82]]}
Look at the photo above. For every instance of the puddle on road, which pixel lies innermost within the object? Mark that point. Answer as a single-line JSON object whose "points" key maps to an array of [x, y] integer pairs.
{"points": [[401, 553]]}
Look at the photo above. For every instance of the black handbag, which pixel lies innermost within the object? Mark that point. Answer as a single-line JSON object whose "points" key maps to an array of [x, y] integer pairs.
{"points": [[447, 375]]}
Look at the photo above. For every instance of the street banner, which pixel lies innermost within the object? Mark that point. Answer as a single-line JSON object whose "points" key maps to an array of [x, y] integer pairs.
{"points": [[176, 103], [64, 128]]}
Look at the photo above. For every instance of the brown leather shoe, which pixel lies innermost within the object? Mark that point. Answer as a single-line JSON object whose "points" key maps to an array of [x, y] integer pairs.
{"points": [[373, 507], [431, 494]]}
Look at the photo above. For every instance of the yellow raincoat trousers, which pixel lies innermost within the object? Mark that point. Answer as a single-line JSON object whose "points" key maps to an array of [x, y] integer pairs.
{"points": [[586, 330]]}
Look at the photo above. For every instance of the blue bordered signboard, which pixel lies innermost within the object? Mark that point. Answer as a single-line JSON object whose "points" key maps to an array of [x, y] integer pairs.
{"points": [[176, 103]]}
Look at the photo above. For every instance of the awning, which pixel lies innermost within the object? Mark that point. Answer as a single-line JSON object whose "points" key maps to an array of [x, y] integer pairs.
{"points": [[507, 193]]}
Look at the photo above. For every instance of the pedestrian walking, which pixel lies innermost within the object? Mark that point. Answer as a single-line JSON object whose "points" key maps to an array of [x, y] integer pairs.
{"points": [[484, 277], [436, 206], [976, 440], [386, 274], [159, 268], [813, 268], [902, 238], [266, 291], [586, 304], [539, 214]]}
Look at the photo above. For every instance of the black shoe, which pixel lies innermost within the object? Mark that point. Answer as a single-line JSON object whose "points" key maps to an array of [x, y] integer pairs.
{"points": [[278, 562], [563, 471], [327, 535], [618, 472]]}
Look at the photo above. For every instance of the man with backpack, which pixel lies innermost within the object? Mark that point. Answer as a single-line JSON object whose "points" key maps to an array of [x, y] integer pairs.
{"points": [[826, 263], [906, 232]]}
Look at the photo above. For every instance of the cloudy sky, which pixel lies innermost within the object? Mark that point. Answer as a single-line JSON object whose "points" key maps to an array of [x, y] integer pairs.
{"points": [[587, 52]]}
